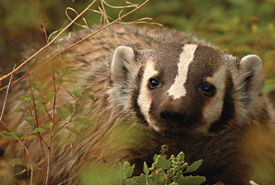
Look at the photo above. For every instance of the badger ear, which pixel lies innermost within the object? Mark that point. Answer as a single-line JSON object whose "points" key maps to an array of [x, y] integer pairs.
{"points": [[251, 73], [124, 65]]}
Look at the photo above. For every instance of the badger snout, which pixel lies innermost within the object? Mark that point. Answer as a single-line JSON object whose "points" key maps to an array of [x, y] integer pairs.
{"points": [[176, 113], [172, 116], [173, 110]]}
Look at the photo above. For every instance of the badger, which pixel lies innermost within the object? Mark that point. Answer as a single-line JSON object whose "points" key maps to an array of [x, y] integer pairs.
{"points": [[158, 86]]}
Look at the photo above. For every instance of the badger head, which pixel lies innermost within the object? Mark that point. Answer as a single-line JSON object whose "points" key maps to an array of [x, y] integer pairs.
{"points": [[186, 88]]}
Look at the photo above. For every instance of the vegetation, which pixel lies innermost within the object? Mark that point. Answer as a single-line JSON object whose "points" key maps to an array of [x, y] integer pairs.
{"points": [[40, 101], [164, 171], [241, 27]]}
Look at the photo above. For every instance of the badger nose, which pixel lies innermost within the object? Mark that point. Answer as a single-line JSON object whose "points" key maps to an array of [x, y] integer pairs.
{"points": [[173, 110], [172, 116]]}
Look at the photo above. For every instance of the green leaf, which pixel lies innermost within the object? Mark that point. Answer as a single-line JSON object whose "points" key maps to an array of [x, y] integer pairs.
{"points": [[84, 121], [16, 161], [77, 92], [30, 120], [72, 130], [25, 98], [191, 180], [63, 112], [37, 85], [29, 166], [46, 125], [140, 180], [35, 96], [70, 107], [91, 96], [6, 134], [145, 168], [163, 163], [81, 97], [58, 80], [27, 127], [80, 106], [31, 137], [68, 70], [193, 167], [158, 177], [155, 157], [37, 103], [49, 124], [127, 170], [37, 130], [48, 96], [19, 110], [40, 110]]}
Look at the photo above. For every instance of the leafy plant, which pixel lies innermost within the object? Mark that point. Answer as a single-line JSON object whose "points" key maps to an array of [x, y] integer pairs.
{"points": [[172, 171], [39, 103]]}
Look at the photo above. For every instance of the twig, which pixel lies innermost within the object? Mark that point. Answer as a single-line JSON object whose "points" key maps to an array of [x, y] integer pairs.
{"points": [[92, 34], [45, 107], [36, 116], [25, 158], [6, 96], [31, 174], [48, 166], [41, 49], [33, 100], [73, 114], [51, 128]]}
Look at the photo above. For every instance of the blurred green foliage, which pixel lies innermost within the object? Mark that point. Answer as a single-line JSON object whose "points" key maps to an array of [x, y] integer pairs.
{"points": [[241, 27]]}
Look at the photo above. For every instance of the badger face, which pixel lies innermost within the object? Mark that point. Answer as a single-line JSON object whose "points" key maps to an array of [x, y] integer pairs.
{"points": [[184, 88]]}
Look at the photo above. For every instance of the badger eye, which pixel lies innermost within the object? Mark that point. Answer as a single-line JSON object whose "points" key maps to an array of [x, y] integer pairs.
{"points": [[153, 83], [208, 89]]}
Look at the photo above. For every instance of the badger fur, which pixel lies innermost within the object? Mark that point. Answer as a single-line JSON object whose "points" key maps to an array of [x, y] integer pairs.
{"points": [[160, 87]]}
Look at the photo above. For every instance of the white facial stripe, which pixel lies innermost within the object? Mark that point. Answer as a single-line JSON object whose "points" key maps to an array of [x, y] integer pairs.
{"points": [[144, 99], [177, 90], [212, 111]]}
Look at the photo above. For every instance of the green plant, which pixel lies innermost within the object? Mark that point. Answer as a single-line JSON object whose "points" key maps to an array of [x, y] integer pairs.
{"points": [[172, 171], [44, 120]]}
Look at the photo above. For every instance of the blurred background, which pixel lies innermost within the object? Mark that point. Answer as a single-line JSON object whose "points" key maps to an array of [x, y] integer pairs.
{"points": [[240, 26]]}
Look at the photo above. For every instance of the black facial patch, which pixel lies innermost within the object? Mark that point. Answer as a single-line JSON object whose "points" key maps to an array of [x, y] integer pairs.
{"points": [[135, 96], [227, 111]]}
